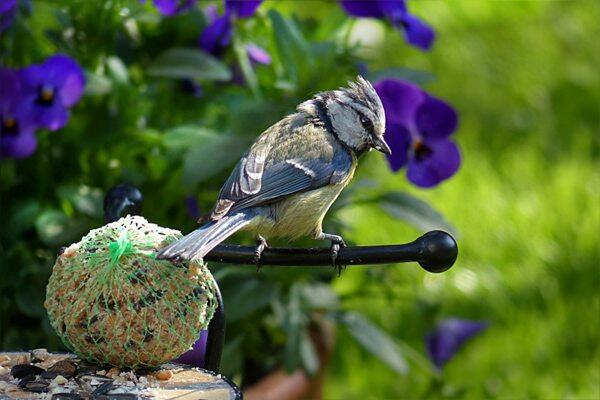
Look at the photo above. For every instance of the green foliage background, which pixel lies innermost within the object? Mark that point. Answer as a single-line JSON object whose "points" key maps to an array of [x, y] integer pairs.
{"points": [[525, 204]]}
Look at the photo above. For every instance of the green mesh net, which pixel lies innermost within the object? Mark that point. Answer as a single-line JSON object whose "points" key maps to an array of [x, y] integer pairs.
{"points": [[112, 302]]}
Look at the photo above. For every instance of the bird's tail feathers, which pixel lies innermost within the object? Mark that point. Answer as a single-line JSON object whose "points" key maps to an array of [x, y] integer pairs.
{"points": [[200, 242]]}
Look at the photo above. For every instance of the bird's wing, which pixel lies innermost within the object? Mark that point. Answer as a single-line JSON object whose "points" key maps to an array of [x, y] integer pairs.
{"points": [[282, 163]]}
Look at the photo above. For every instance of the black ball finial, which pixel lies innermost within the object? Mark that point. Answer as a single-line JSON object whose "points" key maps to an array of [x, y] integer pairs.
{"points": [[120, 200], [438, 251]]}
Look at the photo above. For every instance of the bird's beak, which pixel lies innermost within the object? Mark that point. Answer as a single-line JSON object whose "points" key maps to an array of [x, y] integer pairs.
{"points": [[380, 145]]}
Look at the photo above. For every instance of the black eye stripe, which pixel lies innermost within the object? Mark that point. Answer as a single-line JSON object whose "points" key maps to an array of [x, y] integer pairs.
{"points": [[366, 123]]}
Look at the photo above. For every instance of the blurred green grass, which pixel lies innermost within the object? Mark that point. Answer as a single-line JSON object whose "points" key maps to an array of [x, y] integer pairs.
{"points": [[526, 205]]}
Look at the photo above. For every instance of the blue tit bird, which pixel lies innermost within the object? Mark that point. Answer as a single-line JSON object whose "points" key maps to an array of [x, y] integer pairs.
{"points": [[284, 185]]}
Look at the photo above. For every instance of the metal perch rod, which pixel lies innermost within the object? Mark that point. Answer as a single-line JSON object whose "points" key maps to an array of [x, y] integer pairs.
{"points": [[435, 251]]}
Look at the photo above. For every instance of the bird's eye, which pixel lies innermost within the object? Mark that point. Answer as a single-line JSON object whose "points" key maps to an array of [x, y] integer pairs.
{"points": [[366, 123]]}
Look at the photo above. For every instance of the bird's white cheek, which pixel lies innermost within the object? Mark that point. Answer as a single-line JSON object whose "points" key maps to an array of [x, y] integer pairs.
{"points": [[346, 126]]}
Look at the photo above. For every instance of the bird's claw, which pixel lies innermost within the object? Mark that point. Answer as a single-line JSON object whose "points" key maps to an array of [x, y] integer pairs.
{"points": [[261, 245], [336, 245]]}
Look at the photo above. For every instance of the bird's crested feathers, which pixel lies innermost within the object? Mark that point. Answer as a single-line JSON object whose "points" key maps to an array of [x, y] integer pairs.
{"points": [[355, 113]]}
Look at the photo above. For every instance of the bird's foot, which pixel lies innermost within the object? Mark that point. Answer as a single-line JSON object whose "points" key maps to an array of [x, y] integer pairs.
{"points": [[337, 242], [261, 245]]}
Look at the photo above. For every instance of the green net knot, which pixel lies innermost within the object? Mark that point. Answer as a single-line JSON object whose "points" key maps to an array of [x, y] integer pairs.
{"points": [[119, 248]]}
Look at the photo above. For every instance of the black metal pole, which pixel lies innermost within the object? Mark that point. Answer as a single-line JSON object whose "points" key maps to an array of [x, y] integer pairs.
{"points": [[435, 251], [120, 200], [216, 335]]}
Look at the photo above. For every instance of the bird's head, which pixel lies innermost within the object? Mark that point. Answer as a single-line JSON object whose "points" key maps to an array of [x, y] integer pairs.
{"points": [[355, 115]]}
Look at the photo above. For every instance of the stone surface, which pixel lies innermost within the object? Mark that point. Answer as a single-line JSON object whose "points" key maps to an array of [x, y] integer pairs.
{"points": [[179, 382]]}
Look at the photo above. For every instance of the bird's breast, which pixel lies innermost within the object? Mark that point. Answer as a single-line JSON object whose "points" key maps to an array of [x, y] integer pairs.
{"points": [[299, 215]]}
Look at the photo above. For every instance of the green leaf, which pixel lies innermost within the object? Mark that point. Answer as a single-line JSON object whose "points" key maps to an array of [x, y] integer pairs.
{"points": [[246, 67], [292, 325], [185, 136], [24, 217], [97, 85], [30, 294], [189, 63], [376, 341], [308, 354], [84, 199], [414, 211], [412, 75], [205, 161], [55, 228], [231, 359], [209, 153], [319, 296], [117, 70], [248, 297], [292, 48]]}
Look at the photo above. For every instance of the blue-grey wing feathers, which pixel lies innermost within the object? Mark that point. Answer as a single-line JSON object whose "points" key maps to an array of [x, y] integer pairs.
{"points": [[291, 177]]}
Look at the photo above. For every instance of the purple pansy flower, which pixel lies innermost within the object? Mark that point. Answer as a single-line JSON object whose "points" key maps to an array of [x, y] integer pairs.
{"points": [[416, 32], [418, 129], [217, 34], [51, 88], [17, 129], [242, 8], [173, 7], [449, 336], [195, 356], [8, 10], [258, 55]]}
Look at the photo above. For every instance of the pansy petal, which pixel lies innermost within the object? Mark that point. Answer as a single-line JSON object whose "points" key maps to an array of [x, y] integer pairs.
{"points": [[166, 7], [11, 88], [242, 8], [31, 78], [436, 118], [398, 138], [7, 6], [416, 32], [8, 10], [173, 7], [217, 35], [449, 336], [393, 9], [52, 117], [258, 55], [400, 100], [72, 89], [363, 8], [57, 68], [13, 105], [439, 162], [195, 356], [212, 13], [19, 146], [65, 73]]}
